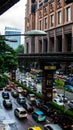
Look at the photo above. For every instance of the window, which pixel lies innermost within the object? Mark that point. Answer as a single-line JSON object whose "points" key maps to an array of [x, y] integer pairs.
{"points": [[59, 17], [46, 23], [52, 20], [40, 24], [68, 14]]}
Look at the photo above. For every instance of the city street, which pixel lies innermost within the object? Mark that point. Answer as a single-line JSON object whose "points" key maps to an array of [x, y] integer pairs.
{"points": [[22, 124]]}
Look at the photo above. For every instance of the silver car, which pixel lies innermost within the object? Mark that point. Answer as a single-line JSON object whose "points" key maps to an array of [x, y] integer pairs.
{"points": [[52, 127]]}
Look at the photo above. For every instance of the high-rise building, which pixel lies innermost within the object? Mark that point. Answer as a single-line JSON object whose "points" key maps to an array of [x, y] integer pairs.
{"points": [[55, 17], [14, 35]]}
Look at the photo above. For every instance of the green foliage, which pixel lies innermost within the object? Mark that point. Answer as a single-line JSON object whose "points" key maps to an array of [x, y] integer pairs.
{"points": [[8, 57], [20, 49], [59, 82], [2, 82]]}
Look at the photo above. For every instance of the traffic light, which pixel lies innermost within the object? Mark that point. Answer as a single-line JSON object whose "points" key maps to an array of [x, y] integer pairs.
{"points": [[68, 1]]}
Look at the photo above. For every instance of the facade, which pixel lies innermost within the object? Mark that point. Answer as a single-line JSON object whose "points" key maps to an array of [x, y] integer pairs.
{"points": [[56, 18], [13, 31]]}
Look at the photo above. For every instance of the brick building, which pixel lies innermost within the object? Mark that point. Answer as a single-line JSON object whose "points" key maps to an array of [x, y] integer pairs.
{"points": [[56, 18]]}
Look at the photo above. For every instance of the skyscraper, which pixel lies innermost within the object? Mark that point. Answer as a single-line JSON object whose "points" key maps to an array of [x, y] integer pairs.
{"points": [[13, 35]]}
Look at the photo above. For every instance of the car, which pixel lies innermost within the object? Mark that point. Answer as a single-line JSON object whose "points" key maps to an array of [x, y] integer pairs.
{"points": [[62, 97], [46, 109], [20, 112], [7, 103], [34, 128], [15, 94], [5, 94], [25, 93], [58, 101], [52, 127], [31, 97], [21, 100], [7, 88], [36, 102], [39, 116], [69, 88], [28, 107], [70, 104], [19, 89]]}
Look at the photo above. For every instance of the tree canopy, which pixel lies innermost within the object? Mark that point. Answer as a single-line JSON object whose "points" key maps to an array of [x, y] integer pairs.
{"points": [[8, 57], [20, 49]]}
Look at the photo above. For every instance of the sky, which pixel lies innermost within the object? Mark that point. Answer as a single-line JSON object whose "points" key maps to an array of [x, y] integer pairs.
{"points": [[14, 17]]}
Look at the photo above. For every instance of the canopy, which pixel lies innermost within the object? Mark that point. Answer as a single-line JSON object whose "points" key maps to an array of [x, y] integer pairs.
{"points": [[35, 33]]}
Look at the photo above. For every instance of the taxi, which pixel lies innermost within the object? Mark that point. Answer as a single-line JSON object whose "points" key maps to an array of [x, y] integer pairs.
{"points": [[34, 128]]}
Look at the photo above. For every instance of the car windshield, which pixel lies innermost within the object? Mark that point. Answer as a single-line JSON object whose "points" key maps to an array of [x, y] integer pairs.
{"points": [[23, 112], [40, 116], [8, 101]]}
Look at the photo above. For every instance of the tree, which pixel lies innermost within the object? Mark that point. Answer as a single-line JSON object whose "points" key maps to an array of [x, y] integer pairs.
{"points": [[20, 49], [8, 57]]}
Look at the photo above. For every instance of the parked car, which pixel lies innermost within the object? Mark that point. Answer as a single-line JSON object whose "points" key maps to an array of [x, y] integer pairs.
{"points": [[5, 94], [34, 128], [39, 116], [69, 88], [58, 101], [21, 100], [28, 107], [20, 112], [70, 104], [7, 103], [62, 97], [52, 127], [15, 94]]}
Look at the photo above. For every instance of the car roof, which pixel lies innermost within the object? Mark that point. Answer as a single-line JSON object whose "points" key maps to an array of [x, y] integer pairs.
{"points": [[35, 128], [5, 92], [20, 109], [54, 126], [39, 112]]}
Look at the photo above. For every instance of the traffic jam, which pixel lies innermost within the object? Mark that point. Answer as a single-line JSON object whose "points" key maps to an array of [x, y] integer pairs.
{"points": [[23, 110]]}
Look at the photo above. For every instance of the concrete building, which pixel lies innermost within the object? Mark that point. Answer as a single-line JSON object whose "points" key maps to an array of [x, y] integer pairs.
{"points": [[56, 18], [13, 32]]}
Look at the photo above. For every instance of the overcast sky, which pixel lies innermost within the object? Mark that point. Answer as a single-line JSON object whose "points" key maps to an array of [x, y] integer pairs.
{"points": [[14, 17]]}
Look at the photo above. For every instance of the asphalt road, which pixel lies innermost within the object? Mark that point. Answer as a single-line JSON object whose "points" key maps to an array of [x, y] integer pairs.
{"points": [[25, 123], [21, 124]]}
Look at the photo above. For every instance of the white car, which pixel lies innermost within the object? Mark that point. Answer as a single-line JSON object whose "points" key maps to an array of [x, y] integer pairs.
{"points": [[58, 101], [20, 112], [62, 97]]}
